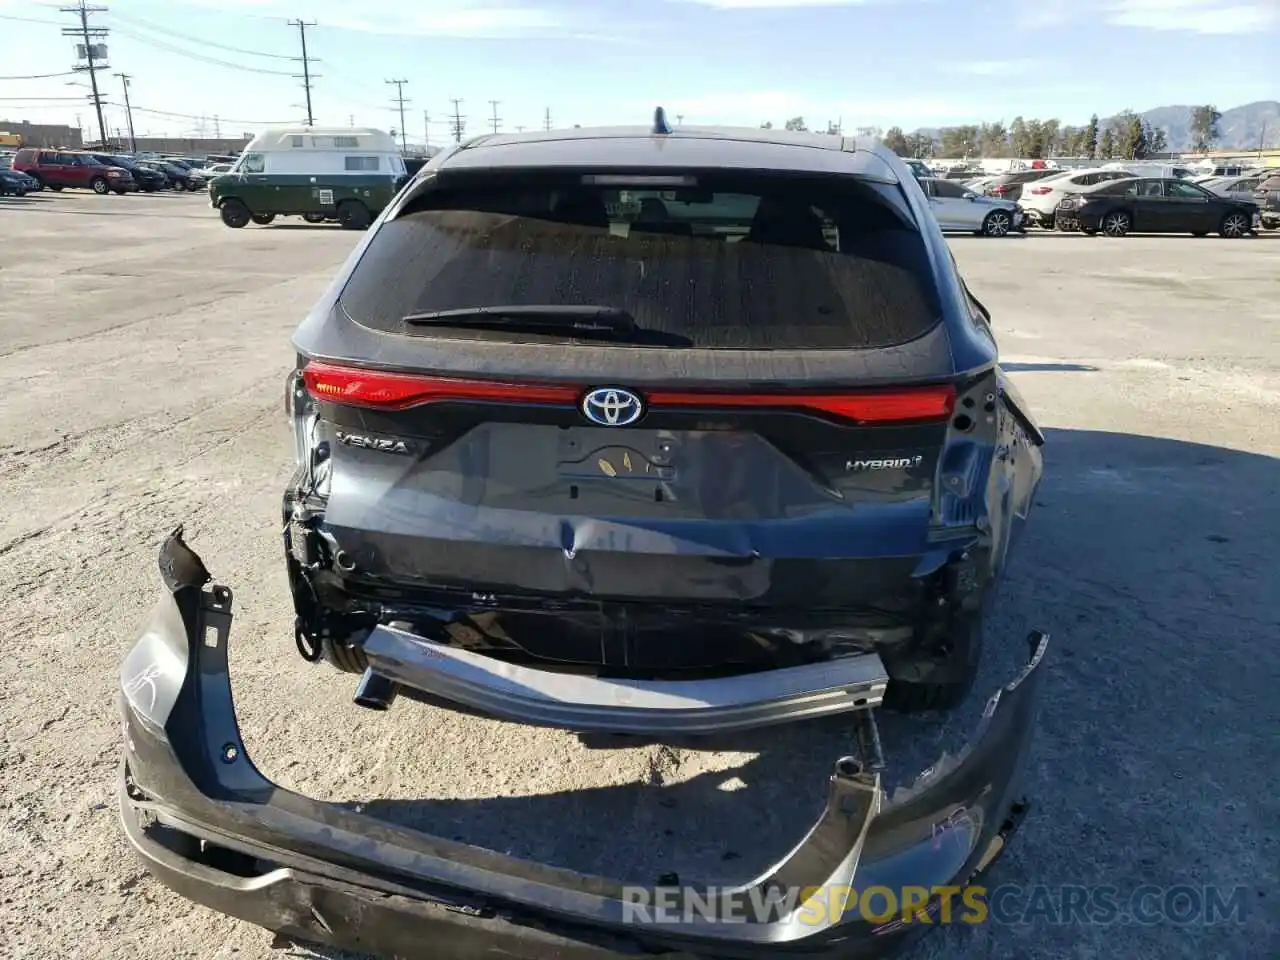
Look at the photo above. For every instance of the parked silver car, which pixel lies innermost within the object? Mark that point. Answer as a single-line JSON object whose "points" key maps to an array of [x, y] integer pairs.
{"points": [[958, 208], [1235, 188]]}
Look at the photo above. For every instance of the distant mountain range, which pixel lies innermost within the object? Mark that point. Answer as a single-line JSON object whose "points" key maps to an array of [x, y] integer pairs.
{"points": [[1245, 127], [1241, 128]]}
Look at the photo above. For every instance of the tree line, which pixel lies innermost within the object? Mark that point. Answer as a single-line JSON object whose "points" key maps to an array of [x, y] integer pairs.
{"points": [[1126, 136]]}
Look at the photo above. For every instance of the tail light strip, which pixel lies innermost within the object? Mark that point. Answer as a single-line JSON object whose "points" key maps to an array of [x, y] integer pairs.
{"points": [[386, 390]]}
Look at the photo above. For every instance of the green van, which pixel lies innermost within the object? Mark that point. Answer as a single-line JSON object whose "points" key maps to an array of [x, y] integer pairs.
{"points": [[344, 175]]}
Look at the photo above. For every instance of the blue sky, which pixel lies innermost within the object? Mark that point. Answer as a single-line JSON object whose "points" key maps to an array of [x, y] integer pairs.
{"points": [[864, 62]]}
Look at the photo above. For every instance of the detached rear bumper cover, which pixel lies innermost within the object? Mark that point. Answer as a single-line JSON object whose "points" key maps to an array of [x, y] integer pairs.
{"points": [[209, 825], [591, 704]]}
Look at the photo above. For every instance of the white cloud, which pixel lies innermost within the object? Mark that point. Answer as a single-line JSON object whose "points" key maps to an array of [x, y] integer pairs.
{"points": [[1035, 16], [1197, 16], [1192, 16]]}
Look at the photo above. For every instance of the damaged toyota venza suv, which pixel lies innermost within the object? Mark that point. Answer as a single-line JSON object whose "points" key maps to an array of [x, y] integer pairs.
{"points": [[624, 430]]}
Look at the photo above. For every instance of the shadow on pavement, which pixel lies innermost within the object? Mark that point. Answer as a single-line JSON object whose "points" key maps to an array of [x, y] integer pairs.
{"points": [[1145, 559]]}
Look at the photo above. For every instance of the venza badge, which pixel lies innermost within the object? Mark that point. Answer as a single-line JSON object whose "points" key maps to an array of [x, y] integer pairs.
{"points": [[612, 407]]}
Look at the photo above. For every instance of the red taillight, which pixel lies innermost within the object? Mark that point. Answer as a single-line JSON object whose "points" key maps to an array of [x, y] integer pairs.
{"points": [[1003, 188], [1041, 191], [387, 390], [396, 391], [872, 406]]}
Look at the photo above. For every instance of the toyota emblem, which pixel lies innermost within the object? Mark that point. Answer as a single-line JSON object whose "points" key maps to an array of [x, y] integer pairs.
{"points": [[612, 407]]}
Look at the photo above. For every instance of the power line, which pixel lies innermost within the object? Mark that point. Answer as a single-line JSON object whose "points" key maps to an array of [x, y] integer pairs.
{"points": [[459, 121], [192, 116], [43, 76], [400, 99], [7, 16], [495, 119], [128, 111], [306, 64], [88, 35], [147, 25], [191, 55]]}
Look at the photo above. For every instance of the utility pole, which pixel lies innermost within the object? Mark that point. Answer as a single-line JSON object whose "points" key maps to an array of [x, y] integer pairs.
{"points": [[351, 119], [88, 34], [217, 127], [679, 119], [546, 119], [128, 111], [459, 121], [426, 131], [495, 120], [306, 65], [400, 99]]}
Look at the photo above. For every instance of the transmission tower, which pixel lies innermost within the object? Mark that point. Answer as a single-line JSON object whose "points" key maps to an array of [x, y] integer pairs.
{"points": [[307, 76], [495, 119], [399, 98], [459, 121], [94, 55]]}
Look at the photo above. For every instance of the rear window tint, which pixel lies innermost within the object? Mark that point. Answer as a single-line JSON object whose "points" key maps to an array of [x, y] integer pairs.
{"points": [[735, 262]]}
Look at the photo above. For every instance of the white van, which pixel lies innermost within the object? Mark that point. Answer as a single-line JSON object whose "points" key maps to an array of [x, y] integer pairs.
{"points": [[1150, 168]]}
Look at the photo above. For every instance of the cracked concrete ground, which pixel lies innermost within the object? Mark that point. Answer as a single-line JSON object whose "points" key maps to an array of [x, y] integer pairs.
{"points": [[142, 354]]}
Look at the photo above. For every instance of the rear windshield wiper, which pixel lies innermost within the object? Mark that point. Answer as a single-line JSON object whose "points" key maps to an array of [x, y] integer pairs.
{"points": [[585, 321]]}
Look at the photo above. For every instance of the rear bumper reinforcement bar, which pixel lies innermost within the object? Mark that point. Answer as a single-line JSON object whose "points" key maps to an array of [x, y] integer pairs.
{"points": [[592, 704]]}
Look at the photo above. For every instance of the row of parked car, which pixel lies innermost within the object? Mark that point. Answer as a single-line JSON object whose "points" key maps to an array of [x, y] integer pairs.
{"points": [[31, 169], [1116, 201]]}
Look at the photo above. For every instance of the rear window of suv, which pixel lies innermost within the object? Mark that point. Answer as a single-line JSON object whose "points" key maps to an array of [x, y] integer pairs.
{"points": [[722, 261]]}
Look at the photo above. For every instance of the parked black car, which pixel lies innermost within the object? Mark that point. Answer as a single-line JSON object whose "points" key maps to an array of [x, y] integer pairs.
{"points": [[1268, 200], [147, 179], [180, 178], [649, 430], [14, 184], [412, 165], [1156, 205]]}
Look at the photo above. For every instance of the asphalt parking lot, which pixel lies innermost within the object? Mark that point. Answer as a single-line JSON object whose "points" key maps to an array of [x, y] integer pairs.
{"points": [[143, 348]]}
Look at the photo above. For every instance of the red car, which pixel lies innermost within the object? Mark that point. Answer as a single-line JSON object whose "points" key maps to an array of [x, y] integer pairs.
{"points": [[66, 168]]}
